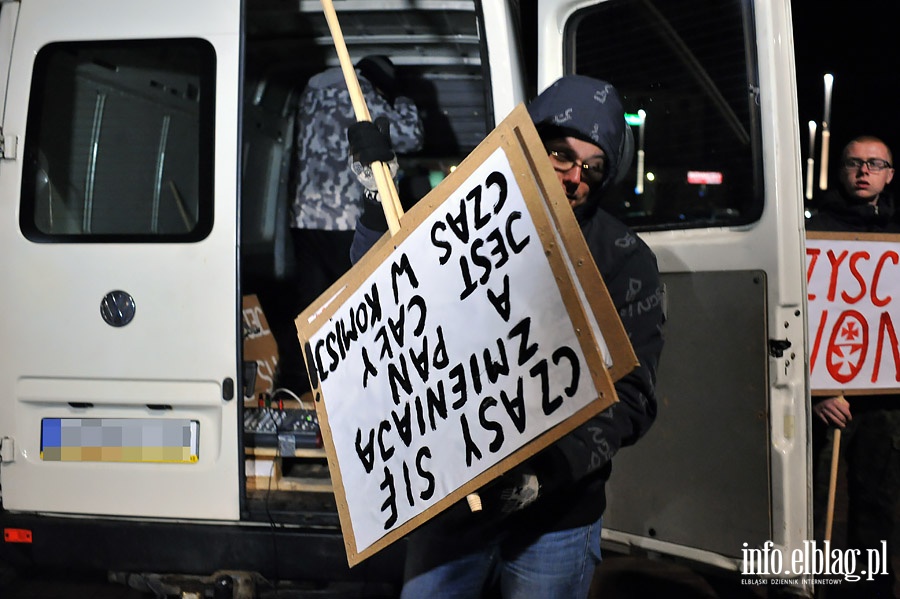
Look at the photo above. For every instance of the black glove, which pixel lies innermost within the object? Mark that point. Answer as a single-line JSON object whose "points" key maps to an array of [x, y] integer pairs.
{"points": [[370, 142], [511, 492], [542, 474]]}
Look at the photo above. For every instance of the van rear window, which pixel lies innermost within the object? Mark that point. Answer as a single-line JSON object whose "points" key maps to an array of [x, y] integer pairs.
{"points": [[689, 82], [119, 142]]}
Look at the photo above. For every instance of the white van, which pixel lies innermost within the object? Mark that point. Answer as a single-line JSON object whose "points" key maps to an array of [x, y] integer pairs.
{"points": [[145, 152]]}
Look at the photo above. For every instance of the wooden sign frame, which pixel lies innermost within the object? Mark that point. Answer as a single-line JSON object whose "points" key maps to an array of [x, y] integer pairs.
{"points": [[599, 331], [817, 323]]}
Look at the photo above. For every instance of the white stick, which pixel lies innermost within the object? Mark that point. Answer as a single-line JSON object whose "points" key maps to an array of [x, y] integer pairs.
{"points": [[823, 161], [810, 162], [639, 184], [810, 173], [826, 132]]}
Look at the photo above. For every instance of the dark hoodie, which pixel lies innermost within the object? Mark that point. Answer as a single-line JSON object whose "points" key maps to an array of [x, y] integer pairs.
{"points": [[574, 493], [837, 213]]}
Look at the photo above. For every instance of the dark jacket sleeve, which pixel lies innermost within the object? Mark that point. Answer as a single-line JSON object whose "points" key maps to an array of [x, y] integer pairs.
{"points": [[630, 271], [363, 240]]}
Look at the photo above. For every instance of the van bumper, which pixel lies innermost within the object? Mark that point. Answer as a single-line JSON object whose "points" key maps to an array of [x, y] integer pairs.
{"points": [[276, 553]]}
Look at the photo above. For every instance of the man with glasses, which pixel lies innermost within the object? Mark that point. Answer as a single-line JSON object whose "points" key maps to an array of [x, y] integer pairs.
{"points": [[539, 532], [871, 423], [860, 203]]}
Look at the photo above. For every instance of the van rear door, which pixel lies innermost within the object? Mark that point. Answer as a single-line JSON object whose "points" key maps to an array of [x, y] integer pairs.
{"points": [[715, 190], [118, 383]]}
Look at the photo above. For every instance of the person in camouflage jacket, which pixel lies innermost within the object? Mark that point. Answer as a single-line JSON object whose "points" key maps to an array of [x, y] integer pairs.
{"points": [[326, 203], [326, 196]]}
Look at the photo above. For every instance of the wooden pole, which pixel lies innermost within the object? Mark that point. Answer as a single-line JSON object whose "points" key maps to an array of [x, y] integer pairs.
{"points": [[390, 202], [822, 593], [832, 482]]}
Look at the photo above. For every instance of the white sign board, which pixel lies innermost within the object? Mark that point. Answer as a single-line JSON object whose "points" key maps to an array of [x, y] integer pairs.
{"points": [[456, 343], [853, 291]]}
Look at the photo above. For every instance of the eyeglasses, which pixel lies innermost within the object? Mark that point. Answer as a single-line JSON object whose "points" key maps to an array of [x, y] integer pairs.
{"points": [[875, 164], [592, 173]]}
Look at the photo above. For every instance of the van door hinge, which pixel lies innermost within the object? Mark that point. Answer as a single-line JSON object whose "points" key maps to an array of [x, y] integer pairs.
{"points": [[8, 146], [7, 450]]}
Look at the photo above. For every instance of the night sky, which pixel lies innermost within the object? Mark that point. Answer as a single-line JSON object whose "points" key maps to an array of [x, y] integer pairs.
{"points": [[859, 43]]}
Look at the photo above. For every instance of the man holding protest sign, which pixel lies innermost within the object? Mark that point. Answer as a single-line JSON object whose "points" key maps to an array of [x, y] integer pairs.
{"points": [[538, 534], [870, 424]]}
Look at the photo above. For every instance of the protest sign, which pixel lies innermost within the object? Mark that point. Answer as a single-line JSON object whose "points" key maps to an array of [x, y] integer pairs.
{"points": [[853, 291], [477, 335]]}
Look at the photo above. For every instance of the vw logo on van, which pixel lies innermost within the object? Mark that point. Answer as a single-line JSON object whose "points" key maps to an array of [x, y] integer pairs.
{"points": [[117, 308]]}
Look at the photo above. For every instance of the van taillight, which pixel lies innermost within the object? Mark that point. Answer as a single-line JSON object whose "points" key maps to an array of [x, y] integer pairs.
{"points": [[16, 535]]}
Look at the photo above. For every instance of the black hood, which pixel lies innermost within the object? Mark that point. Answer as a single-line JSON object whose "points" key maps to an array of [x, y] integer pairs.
{"points": [[589, 109]]}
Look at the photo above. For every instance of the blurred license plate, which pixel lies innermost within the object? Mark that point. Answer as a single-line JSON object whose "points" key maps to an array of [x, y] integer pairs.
{"points": [[153, 440]]}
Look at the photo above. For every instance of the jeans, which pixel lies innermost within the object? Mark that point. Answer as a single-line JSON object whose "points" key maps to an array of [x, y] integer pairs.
{"points": [[555, 565]]}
